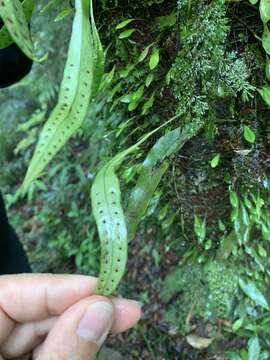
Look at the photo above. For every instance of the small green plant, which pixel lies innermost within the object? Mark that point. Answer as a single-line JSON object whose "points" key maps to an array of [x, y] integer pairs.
{"points": [[215, 161], [249, 135], [200, 228]]}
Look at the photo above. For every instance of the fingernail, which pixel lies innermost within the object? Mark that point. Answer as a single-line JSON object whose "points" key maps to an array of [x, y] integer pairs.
{"points": [[96, 322], [121, 303], [139, 303]]}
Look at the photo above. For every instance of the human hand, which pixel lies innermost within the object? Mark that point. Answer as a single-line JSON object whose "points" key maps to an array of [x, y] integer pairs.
{"points": [[52, 317]]}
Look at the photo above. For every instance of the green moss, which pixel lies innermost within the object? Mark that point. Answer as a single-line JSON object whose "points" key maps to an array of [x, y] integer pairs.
{"points": [[202, 36], [222, 279], [210, 288], [204, 70], [109, 4]]}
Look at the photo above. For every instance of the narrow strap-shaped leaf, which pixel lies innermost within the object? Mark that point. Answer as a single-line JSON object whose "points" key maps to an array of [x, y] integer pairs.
{"points": [[28, 8], [153, 168], [74, 95], [36, 118], [99, 59], [49, 4], [14, 18], [251, 290], [266, 39], [141, 195], [64, 13], [110, 219], [5, 38], [108, 213], [151, 173], [265, 10]]}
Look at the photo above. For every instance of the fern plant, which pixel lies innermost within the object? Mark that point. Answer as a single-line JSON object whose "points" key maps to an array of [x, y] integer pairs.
{"points": [[81, 81]]}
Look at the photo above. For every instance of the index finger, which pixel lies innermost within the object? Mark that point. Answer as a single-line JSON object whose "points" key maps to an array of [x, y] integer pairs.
{"points": [[30, 297]]}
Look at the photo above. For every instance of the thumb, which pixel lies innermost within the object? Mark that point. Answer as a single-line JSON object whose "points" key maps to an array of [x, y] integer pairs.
{"points": [[80, 331]]}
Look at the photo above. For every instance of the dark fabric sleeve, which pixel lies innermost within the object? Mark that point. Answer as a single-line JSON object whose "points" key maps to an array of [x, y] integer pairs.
{"points": [[4, 228], [13, 259]]}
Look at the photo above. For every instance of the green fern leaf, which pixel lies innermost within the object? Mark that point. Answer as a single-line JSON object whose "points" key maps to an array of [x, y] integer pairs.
{"points": [[15, 21], [74, 96]]}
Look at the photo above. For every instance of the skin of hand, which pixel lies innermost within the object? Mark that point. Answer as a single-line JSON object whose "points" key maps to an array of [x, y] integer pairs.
{"points": [[52, 317]]}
